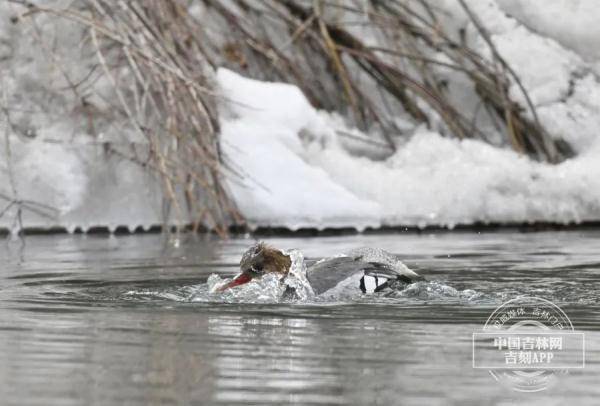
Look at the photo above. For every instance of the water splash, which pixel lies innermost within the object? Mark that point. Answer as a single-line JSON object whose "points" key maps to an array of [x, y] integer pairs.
{"points": [[267, 289], [432, 290], [295, 288], [270, 288], [296, 278]]}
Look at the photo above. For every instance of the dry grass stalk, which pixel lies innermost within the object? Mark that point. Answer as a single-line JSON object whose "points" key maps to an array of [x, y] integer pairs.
{"points": [[404, 66], [166, 96], [171, 102]]}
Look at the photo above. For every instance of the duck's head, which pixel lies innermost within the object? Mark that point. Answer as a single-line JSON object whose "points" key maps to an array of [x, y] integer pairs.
{"points": [[259, 260]]}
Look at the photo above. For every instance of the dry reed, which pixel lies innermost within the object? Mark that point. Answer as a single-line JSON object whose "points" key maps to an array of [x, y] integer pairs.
{"points": [[167, 53]]}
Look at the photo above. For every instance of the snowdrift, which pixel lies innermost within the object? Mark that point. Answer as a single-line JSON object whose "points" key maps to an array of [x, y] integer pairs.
{"points": [[430, 180], [298, 168]]}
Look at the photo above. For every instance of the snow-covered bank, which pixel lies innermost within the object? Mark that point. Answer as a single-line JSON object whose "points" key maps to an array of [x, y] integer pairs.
{"points": [[300, 167], [430, 180], [75, 186], [58, 166]]}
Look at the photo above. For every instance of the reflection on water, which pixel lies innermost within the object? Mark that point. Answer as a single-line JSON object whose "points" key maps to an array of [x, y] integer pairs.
{"points": [[113, 320]]}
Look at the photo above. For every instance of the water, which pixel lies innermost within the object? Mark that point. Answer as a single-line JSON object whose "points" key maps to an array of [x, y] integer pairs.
{"points": [[129, 320]]}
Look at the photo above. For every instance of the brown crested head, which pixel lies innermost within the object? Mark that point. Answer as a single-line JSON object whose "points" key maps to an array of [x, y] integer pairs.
{"points": [[259, 260]]}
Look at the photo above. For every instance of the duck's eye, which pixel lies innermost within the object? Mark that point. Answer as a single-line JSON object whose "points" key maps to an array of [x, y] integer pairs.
{"points": [[258, 269]]}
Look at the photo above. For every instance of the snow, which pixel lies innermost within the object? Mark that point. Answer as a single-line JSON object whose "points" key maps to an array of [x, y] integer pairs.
{"points": [[79, 186], [37, 174], [543, 66], [431, 180], [574, 24], [48, 157], [263, 139], [560, 81], [298, 171]]}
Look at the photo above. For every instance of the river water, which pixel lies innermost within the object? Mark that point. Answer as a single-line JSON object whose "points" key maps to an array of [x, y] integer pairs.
{"points": [[128, 320]]}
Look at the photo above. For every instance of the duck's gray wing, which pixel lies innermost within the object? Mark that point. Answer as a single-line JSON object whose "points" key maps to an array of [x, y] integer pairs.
{"points": [[327, 274]]}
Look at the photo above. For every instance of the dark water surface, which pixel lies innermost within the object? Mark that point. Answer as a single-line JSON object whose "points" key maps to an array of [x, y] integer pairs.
{"points": [[128, 320]]}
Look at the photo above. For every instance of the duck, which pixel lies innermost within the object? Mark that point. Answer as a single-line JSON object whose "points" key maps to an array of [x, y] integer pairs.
{"points": [[366, 270]]}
